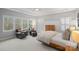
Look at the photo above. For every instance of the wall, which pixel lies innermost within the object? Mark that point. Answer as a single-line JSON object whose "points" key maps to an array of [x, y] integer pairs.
{"points": [[6, 35], [55, 19], [53, 22], [40, 21], [40, 24]]}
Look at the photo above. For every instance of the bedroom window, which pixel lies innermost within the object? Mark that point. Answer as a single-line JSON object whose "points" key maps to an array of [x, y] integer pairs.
{"points": [[32, 24], [25, 25], [77, 21], [8, 23], [21, 23], [66, 22], [18, 23]]}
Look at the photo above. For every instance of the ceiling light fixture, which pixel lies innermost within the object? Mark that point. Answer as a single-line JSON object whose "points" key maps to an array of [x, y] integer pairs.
{"points": [[36, 9]]}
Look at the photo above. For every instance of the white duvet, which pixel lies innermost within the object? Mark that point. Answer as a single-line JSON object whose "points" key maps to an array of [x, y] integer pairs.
{"points": [[60, 41], [54, 37], [46, 36]]}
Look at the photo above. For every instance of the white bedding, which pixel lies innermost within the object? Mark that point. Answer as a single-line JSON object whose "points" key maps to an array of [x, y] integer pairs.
{"points": [[54, 37], [46, 36], [60, 41]]}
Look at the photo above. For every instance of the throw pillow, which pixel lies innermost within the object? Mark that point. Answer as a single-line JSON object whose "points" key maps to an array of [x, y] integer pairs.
{"points": [[66, 34]]}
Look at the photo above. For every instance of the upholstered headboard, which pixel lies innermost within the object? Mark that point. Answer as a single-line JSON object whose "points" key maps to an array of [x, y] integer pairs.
{"points": [[49, 27]]}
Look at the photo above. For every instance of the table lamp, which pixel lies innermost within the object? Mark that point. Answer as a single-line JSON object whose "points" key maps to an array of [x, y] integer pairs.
{"points": [[75, 36], [72, 28]]}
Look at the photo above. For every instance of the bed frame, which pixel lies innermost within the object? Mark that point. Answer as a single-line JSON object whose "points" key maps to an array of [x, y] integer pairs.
{"points": [[49, 27], [54, 45], [61, 48]]}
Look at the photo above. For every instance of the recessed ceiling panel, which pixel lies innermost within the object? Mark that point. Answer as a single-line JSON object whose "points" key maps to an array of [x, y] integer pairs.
{"points": [[41, 11]]}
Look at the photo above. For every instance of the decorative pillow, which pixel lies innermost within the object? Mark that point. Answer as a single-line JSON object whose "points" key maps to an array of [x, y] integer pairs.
{"points": [[66, 34]]}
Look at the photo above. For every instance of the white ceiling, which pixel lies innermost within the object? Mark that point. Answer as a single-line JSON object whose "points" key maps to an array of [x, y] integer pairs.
{"points": [[42, 11]]}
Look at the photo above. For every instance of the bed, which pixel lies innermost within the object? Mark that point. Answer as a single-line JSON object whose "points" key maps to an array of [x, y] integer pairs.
{"points": [[55, 40]]}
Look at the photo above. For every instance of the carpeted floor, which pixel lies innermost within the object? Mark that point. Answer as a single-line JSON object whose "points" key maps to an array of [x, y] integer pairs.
{"points": [[27, 44]]}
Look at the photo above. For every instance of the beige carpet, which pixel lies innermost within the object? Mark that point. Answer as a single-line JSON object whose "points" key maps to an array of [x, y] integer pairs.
{"points": [[27, 44]]}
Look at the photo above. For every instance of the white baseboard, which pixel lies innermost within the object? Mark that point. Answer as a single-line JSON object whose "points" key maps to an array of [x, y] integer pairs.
{"points": [[6, 38]]}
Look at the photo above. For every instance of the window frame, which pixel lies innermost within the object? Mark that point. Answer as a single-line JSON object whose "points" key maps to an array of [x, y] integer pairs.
{"points": [[4, 22], [66, 21], [20, 20], [24, 19]]}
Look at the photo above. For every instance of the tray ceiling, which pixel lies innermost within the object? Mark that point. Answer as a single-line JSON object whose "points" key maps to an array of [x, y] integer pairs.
{"points": [[41, 11]]}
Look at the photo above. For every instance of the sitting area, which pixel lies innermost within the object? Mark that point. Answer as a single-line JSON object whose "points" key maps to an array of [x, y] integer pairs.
{"points": [[21, 33], [33, 33]]}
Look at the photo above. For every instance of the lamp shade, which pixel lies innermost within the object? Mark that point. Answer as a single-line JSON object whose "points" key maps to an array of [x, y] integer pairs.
{"points": [[75, 36], [72, 28], [33, 24]]}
